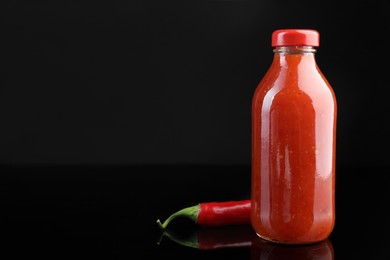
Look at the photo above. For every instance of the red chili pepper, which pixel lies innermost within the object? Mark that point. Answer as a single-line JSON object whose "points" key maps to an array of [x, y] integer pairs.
{"points": [[214, 213]]}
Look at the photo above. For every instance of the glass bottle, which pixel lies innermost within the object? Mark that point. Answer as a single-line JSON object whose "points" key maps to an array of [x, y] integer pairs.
{"points": [[294, 114]]}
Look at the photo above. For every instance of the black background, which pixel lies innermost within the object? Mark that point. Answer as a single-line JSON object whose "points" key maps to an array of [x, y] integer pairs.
{"points": [[140, 82], [114, 114]]}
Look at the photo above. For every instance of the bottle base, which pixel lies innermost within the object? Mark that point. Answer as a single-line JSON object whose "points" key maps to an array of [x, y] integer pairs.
{"points": [[283, 242]]}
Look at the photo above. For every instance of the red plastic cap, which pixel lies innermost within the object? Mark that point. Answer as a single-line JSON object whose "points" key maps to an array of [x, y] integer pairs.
{"points": [[295, 37]]}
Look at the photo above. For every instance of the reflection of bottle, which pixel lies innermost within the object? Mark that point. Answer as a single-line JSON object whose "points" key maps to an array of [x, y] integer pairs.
{"points": [[293, 144], [262, 250]]}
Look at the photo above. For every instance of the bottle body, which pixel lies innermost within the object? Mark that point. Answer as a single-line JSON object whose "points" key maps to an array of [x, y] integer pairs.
{"points": [[293, 150]]}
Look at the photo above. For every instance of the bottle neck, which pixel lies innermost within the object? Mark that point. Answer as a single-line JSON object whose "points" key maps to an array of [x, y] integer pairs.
{"points": [[286, 50], [294, 55]]}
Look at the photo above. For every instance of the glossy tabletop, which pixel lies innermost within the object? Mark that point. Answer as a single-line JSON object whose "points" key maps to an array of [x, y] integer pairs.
{"points": [[104, 212]]}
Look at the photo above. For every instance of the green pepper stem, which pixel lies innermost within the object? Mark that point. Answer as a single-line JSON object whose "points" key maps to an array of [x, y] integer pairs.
{"points": [[190, 212]]}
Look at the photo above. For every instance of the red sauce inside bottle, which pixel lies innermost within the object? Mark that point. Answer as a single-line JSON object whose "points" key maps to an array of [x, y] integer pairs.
{"points": [[293, 152]]}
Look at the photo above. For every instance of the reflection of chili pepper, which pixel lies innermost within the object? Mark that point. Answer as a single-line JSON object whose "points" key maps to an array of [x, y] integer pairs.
{"points": [[214, 213], [215, 238]]}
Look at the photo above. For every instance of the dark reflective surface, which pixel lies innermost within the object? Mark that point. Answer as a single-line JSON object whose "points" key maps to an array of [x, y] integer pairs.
{"points": [[111, 212], [243, 236]]}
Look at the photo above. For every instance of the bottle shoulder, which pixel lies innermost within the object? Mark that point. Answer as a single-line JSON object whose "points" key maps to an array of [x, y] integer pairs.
{"points": [[284, 79], [284, 85]]}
